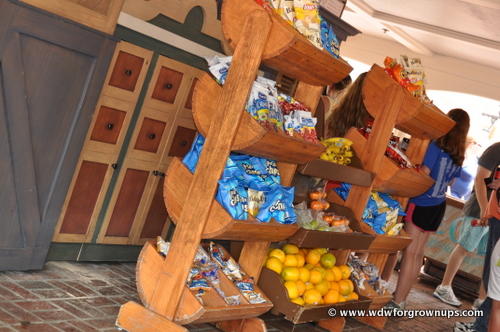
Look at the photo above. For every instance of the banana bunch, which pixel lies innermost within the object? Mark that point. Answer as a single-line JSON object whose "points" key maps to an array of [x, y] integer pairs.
{"points": [[338, 150]]}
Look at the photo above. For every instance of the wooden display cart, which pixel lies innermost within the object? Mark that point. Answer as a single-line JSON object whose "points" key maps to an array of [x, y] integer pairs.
{"points": [[392, 107], [258, 37]]}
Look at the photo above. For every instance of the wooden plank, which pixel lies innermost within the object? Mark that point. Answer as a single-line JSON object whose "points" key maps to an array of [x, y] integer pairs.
{"points": [[246, 61], [134, 317], [249, 324]]}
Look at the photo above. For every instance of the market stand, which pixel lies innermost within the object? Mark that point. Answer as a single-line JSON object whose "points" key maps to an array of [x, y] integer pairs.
{"points": [[263, 38]]}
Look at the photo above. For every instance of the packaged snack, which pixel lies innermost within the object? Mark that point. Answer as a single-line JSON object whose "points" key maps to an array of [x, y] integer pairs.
{"points": [[255, 200], [278, 205], [254, 176], [307, 20], [191, 158], [287, 11], [233, 197]]}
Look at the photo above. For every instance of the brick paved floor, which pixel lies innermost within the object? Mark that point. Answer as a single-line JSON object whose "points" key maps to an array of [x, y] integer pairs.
{"points": [[74, 296]]}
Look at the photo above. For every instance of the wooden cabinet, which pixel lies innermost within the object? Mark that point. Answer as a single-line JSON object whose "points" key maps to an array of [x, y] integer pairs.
{"points": [[140, 122]]}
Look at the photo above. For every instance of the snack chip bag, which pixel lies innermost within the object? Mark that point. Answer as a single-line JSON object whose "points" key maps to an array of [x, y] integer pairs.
{"points": [[286, 10], [191, 158], [233, 197], [307, 20]]}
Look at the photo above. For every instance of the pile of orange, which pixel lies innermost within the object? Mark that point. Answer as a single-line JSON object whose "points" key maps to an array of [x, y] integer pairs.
{"points": [[311, 276]]}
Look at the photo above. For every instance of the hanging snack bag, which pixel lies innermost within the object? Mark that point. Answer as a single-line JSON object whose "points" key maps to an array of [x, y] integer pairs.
{"points": [[307, 126], [307, 20]]}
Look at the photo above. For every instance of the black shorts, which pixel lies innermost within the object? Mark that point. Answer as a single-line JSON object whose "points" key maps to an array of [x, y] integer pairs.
{"points": [[427, 218]]}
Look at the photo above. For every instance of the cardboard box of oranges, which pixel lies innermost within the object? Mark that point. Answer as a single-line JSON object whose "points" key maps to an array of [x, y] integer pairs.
{"points": [[303, 283]]}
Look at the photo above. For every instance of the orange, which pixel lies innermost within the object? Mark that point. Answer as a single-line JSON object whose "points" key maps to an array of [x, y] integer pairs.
{"points": [[312, 296], [346, 271], [290, 249], [278, 253], [342, 298], [290, 273], [300, 260], [344, 287], [315, 277], [303, 251], [334, 285], [351, 284], [321, 270], [330, 276], [308, 266], [352, 296], [290, 260], [309, 286], [331, 297], [322, 287], [274, 264], [264, 261], [337, 272], [304, 274], [316, 205], [321, 250], [298, 300], [301, 286], [315, 195], [313, 257], [328, 260], [291, 289]]}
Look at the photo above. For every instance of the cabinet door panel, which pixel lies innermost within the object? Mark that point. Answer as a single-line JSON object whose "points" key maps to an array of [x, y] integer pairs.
{"points": [[169, 85], [150, 135], [126, 72], [182, 141], [108, 125], [127, 203], [84, 197], [157, 220]]}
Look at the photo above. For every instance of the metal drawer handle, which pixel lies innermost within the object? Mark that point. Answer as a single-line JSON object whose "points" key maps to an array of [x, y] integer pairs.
{"points": [[184, 143], [169, 86], [152, 136], [128, 72], [110, 126]]}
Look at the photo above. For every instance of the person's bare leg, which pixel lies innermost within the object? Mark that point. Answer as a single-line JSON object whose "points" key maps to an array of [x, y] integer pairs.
{"points": [[392, 260], [456, 258], [411, 261]]}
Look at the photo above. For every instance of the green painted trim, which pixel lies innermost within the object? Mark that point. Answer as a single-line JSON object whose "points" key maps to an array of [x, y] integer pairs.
{"points": [[63, 251], [88, 252], [190, 29]]}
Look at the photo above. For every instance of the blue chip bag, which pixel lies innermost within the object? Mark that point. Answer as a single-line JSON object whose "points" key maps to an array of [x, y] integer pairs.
{"points": [[233, 197], [269, 168], [278, 205], [192, 157], [252, 175], [233, 171]]}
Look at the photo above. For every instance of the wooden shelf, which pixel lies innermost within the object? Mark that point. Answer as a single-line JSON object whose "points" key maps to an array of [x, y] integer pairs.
{"points": [[353, 173], [271, 283], [419, 120], [286, 50], [252, 138], [392, 179], [191, 310], [220, 223]]}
